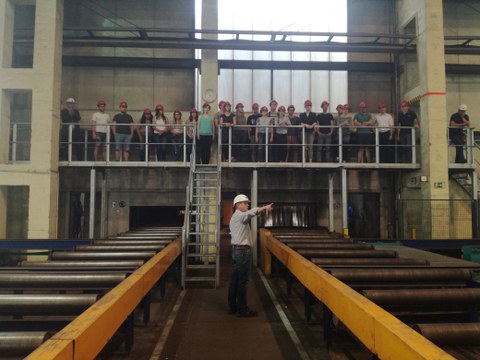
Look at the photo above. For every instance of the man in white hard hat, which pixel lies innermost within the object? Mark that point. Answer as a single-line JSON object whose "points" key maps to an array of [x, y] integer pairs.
{"points": [[70, 117], [458, 122], [242, 243]]}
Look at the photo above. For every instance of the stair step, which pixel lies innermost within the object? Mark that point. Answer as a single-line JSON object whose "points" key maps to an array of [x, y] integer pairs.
{"points": [[201, 278], [200, 255], [213, 266], [202, 244]]}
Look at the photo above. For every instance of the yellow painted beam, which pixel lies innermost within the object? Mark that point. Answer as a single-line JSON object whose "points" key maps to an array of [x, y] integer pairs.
{"points": [[89, 332], [382, 333]]}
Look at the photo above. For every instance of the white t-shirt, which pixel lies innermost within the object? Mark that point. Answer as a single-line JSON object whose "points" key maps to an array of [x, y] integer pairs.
{"points": [[101, 120], [384, 122]]}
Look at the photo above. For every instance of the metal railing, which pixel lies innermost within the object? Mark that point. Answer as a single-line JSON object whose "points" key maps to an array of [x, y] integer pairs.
{"points": [[78, 148], [340, 147]]}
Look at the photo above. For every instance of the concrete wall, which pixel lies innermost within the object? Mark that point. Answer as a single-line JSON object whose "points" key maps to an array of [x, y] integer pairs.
{"points": [[462, 18], [141, 88], [373, 16]]}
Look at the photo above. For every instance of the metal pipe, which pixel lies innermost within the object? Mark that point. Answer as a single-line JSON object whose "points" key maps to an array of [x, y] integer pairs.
{"points": [[458, 334], [51, 305], [55, 280], [445, 296], [21, 343], [402, 275], [339, 246], [369, 261], [85, 264], [131, 242], [88, 255], [349, 253], [319, 241], [139, 247]]}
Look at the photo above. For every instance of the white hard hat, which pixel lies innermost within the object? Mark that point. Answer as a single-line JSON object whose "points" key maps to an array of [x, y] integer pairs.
{"points": [[70, 100], [462, 107], [240, 198]]}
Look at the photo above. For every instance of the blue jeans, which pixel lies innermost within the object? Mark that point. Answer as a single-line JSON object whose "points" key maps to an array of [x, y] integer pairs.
{"points": [[237, 290]]}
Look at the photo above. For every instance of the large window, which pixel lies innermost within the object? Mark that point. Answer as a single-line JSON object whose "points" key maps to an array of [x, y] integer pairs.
{"points": [[286, 86]]}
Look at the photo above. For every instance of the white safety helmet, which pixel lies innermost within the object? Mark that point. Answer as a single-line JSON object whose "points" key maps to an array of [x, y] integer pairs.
{"points": [[240, 198], [70, 100], [462, 107]]}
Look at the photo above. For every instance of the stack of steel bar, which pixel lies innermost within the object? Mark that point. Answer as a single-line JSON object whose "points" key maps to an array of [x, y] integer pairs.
{"points": [[38, 298], [436, 301]]}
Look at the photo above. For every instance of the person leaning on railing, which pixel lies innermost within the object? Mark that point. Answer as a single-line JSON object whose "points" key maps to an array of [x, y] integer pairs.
{"points": [[123, 130], [406, 118], [205, 134], [458, 122], [363, 120], [144, 132], [252, 123], [263, 130], [70, 116], [100, 129], [294, 134]]}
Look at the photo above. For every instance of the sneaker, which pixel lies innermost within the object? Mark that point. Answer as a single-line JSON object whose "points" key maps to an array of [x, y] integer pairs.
{"points": [[247, 313]]}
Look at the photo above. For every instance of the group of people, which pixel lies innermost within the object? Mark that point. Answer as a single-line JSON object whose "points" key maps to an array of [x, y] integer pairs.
{"points": [[319, 132], [276, 133]]}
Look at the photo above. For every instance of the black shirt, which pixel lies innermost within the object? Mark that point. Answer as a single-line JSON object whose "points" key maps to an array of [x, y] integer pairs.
{"points": [[309, 120], [406, 119], [123, 119], [325, 119], [456, 118]]}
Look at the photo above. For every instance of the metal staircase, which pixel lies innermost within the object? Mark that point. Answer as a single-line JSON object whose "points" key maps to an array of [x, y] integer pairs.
{"points": [[201, 238]]}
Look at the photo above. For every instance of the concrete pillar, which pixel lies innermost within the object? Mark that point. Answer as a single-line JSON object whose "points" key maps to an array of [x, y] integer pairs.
{"points": [[43, 80], [6, 29], [209, 64], [3, 212], [431, 89]]}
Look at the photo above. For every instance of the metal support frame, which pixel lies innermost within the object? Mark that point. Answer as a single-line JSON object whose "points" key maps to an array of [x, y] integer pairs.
{"points": [[330, 202], [344, 202], [91, 220], [254, 222]]}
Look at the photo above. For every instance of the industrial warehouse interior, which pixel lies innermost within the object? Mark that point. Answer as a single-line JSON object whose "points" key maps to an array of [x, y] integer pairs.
{"points": [[217, 179]]}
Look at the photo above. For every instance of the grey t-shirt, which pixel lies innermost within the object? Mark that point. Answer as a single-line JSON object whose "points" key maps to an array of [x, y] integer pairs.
{"points": [[240, 227]]}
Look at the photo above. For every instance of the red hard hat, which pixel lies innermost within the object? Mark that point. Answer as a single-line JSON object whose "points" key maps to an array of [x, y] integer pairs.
{"points": [[363, 104], [307, 103], [346, 106], [101, 102], [238, 105], [291, 107], [221, 103], [273, 101], [281, 108], [255, 106], [404, 103], [339, 107], [159, 107], [264, 108], [193, 110], [226, 103], [147, 111], [324, 102], [382, 105], [123, 104]]}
